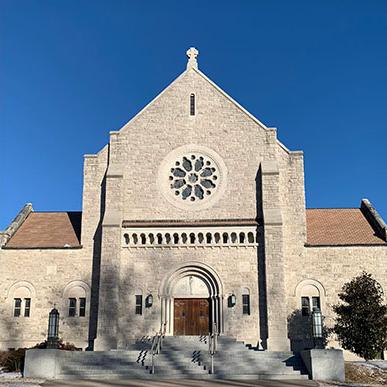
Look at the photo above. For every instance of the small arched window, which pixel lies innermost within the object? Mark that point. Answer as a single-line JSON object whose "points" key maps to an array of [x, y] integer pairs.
{"points": [[311, 294], [192, 104], [22, 302], [76, 302]]}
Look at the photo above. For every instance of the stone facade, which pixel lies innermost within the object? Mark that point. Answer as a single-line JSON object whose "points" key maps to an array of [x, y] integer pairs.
{"points": [[239, 230]]}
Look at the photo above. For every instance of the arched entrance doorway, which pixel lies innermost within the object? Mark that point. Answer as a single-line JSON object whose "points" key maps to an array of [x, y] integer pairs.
{"points": [[191, 300]]}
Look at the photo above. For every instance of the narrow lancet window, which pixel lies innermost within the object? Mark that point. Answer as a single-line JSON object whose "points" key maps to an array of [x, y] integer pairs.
{"points": [[192, 104]]}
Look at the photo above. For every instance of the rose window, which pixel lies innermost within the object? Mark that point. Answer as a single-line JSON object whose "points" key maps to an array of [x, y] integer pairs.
{"points": [[193, 177]]}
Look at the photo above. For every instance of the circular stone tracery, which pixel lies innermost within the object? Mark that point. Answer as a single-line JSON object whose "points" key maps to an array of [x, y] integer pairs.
{"points": [[193, 177]]}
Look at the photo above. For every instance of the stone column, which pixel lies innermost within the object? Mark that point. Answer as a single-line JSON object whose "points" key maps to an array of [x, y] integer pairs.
{"points": [[274, 258]]}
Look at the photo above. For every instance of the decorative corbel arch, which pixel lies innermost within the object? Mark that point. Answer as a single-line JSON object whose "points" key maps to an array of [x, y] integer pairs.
{"points": [[312, 282], [21, 284], [74, 284]]}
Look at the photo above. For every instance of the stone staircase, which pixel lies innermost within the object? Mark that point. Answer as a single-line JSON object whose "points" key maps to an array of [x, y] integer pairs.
{"points": [[182, 357]]}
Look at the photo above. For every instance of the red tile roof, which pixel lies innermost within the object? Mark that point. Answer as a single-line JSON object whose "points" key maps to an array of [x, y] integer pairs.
{"points": [[339, 226], [48, 229], [325, 227]]}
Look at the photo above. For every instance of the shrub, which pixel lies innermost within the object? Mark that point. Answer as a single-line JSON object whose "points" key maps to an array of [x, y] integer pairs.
{"points": [[361, 323], [12, 361], [61, 345]]}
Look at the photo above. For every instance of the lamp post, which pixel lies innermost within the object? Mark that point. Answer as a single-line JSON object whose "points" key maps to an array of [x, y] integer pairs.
{"points": [[53, 329], [317, 329]]}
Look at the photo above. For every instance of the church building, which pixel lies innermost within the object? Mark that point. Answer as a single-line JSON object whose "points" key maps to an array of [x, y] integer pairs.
{"points": [[193, 221]]}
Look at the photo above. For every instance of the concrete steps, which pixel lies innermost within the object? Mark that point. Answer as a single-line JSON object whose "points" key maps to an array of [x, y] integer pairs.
{"points": [[182, 357]]}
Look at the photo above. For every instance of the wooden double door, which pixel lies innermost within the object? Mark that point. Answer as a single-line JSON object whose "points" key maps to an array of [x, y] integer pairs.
{"points": [[191, 316]]}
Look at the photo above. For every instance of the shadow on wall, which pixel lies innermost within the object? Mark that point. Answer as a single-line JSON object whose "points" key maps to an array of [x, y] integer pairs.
{"points": [[261, 261], [300, 331], [96, 267]]}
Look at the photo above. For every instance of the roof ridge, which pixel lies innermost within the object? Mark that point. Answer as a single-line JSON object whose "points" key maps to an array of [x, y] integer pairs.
{"points": [[55, 212], [332, 208]]}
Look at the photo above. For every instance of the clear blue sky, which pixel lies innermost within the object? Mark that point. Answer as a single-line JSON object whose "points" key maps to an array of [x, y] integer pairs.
{"points": [[71, 71]]}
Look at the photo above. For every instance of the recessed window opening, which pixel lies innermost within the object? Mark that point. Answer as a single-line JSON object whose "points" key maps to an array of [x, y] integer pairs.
{"points": [[246, 304], [138, 303], [82, 307], [167, 238], [316, 303], [17, 307], [305, 306], [72, 307], [192, 104], [27, 307]]}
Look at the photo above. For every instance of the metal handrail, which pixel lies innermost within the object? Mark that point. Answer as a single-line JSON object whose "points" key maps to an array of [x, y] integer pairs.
{"points": [[157, 344], [212, 345]]}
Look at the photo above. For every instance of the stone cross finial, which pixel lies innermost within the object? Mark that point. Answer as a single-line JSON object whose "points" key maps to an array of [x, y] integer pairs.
{"points": [[192, 54]]}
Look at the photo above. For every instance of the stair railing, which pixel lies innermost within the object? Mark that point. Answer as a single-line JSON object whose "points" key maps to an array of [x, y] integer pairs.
{"points": [[212, 345], [157, 344]]}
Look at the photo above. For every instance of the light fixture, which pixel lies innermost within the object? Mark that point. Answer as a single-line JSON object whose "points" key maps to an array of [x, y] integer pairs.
{"points": [[317, 329], [149, 300], [232, 300]]}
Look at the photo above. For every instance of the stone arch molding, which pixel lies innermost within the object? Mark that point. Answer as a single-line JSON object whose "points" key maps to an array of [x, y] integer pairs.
{"points": [[310, 282], [204, 273], [163, 184], [76, 284], [21, 284]]}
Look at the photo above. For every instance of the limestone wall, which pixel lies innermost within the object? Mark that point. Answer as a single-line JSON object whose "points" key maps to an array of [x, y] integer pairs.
{"points": [[45, 276], [145, 269], [327, 269], [166, 125]]}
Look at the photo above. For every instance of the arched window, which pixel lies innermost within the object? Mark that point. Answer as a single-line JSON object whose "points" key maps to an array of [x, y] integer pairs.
{"points": [[242, 237], [209, 237], [192, 104], [176, 238], [76, 295], [310, 295], [167, 238], [135, 239], [159, 239], [22, 302], [127, 239], [225, 237], [20, 297], [143, 239]]}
